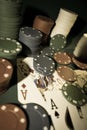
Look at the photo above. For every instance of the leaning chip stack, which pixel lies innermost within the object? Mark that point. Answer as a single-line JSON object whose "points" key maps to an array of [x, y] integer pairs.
{"points": [[64, 22], [31, 38], [6, 71], [10, 18], [9, 49], [44, 64]]}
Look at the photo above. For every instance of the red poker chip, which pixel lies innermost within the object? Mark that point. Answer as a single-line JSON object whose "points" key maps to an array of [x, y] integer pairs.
{"points": [[62, 58], [66, 73], [79, 64], [12, 118], [6, 71]]}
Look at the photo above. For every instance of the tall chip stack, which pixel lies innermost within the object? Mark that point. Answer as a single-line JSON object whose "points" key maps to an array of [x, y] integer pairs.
{"points": [[10, 18], [64, 22], [31, 39]]}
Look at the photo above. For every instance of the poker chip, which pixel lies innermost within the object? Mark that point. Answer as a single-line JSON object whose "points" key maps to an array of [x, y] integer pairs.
{"points": [[48, 51], [43, 23], [9, 48], [6, 71], [38, 117], [10, 18], [79, 64], [12, 117], [62, 58], [66, 73], [58, 42], [44, 64], [74, 94]]}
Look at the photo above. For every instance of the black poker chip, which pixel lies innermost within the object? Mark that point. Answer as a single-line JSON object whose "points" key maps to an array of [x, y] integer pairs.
{"points": [[74, 94], [44, 64], [38, 117], [58, 42], [48, 51]]}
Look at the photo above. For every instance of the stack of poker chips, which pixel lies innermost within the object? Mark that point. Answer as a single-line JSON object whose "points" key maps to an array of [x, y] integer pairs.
{"points": [[10, 18], [31, 38], [6, 71], [64, 22], [44, 24], [9, 49], [80, 51]]}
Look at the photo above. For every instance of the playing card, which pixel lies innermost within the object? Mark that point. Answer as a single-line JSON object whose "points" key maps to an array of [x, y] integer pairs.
{"points": [[28, 92], [56, 108]]}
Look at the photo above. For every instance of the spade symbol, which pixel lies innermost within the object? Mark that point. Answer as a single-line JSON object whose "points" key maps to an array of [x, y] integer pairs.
{"points": [[56, 114]]}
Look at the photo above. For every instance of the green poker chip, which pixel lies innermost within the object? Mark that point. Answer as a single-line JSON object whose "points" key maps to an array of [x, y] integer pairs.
{"points": [[58, 42], [9, 48], [74, 94]]}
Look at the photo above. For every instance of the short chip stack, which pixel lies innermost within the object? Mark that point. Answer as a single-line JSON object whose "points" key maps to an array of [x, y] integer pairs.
{"points": [[31, 38], [6, 71], [44, 64], [9, 48], [10, 18], [44, 24]]}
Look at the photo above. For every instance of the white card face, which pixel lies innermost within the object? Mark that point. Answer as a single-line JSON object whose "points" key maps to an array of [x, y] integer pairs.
{"points": [[28, 92], [56, 108]]}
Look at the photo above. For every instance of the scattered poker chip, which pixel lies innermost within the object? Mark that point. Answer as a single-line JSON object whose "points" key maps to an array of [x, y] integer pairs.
{"points": [[66, 73], [58, 42], [38, 117], [6, 71], [62, 58], [74, 94], [12, 117], [79, 64], [48, 51], [44, 64]]}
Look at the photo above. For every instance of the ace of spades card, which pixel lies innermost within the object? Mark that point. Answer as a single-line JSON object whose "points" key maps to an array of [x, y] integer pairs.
{"points": [[57, 108]]}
